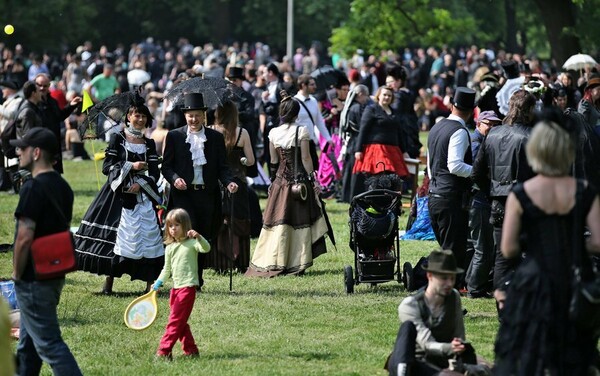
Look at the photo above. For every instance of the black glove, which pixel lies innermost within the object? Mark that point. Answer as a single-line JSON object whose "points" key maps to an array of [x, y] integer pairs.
{"points": [[273, 167]]}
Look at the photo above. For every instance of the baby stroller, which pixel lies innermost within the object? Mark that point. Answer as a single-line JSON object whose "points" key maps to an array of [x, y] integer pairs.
{"points": [[374, 238]]}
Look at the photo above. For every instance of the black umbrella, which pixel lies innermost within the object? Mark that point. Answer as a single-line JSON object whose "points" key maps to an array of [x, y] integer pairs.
{"points": [[114, 109], [327, 221], [215, 91], [326, 77]]}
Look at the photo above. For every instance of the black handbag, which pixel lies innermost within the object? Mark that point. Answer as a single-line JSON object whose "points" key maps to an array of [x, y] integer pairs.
{"points": [[584, 308], [299, 189]]}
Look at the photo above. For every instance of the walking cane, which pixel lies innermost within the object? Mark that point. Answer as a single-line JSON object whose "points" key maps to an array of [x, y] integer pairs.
{"points": [[231, 240]]}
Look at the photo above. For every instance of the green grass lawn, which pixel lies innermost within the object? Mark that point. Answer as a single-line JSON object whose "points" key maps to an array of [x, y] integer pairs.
{"points": [[283, 326]]}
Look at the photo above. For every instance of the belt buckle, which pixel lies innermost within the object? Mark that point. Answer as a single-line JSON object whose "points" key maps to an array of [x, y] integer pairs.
{"points": [[197, 187]]}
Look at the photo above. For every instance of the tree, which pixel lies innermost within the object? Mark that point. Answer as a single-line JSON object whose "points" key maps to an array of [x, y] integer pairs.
{"points": [[560, 18], [376, 25]]}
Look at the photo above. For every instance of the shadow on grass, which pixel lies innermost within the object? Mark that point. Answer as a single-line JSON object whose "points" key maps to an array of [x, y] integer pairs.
{"points": [[286, 293], [300, 355], [312, 356], [130, 294], [86, 192]]}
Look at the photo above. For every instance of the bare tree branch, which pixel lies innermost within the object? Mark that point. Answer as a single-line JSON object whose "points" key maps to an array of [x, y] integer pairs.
{"points": [[408, 17]]}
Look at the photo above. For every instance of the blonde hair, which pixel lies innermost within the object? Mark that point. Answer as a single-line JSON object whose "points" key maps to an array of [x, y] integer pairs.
{"points": [[550, 149], [177, 216], [381, 89]]}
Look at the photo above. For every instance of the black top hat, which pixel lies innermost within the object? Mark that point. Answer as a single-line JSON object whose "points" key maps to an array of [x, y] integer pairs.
{"points": [[38, 137], [236, 72], [9, 84], [511, 69], [193, 101], [442, 261], [464, 98]]}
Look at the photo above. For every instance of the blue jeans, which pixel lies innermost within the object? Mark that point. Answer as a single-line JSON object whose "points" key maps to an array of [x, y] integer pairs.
{"points": [[40, 337]]}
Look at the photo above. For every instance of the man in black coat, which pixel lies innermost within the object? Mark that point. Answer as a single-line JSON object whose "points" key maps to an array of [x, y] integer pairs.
{"points": [[52, 115], [501, 163], [194, 162]]}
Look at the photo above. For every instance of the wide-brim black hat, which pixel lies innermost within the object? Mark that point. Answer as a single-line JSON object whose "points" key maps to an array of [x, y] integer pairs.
{"points": [[236, 72], [9, 84], [442, 261], [193, 101], [464, 98]]}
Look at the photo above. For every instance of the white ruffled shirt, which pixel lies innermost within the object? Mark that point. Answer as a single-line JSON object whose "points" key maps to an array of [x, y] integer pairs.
{"points": [[196, 141]]}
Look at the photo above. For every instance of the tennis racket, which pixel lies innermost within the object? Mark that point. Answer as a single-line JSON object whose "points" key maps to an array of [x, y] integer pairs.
{"points": [[142, 311]]}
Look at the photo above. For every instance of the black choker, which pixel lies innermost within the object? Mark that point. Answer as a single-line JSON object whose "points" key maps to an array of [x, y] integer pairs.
{"points": [[134, 132]]}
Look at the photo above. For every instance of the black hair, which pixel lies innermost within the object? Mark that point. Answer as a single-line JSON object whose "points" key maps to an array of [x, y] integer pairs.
{"points": [[29, 88], [342, 81], [142, 109]]}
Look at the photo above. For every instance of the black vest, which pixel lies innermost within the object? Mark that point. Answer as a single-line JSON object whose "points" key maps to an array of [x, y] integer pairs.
{"points": [[444, 330], [442, 181]]}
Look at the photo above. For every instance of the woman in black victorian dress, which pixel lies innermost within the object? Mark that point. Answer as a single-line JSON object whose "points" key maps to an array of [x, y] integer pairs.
{"points": [[119, 233]]}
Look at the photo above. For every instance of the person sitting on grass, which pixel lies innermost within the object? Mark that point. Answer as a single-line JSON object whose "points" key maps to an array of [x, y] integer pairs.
{"points": [[433, 331], [181, 262]]}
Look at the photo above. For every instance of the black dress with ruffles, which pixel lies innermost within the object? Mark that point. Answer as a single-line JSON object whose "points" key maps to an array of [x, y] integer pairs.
{"points": [[96, 238], [536, 336]]}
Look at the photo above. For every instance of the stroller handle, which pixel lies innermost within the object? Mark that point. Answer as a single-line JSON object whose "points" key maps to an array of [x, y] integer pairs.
{"points": [[396, 197], [377, 191]]}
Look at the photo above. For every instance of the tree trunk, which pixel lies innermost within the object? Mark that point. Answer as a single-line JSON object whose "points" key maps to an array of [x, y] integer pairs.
{"points": [[559, 17], [511, 25], [221, 26]]}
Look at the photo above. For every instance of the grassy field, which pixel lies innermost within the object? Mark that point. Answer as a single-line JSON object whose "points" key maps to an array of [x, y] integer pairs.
{"points": [[284, 326]]}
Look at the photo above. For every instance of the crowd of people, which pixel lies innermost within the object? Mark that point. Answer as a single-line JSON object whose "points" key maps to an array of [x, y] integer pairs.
{"points": [[502, 198]]}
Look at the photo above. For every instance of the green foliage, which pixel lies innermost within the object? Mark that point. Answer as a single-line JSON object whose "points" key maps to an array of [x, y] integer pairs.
{"points": [[60, 24], [588, 12], [376, 25], [313, 20]]}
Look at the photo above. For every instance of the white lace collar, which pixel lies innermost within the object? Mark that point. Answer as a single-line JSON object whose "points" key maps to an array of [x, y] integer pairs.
{"points": [[196, 141]]}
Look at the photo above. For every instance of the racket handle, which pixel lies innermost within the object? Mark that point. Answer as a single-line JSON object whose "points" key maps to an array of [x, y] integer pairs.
{"points": [[157, 285]]}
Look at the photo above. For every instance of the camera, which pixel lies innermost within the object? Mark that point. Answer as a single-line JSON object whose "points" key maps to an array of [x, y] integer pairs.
{"points": [[19, 178]]}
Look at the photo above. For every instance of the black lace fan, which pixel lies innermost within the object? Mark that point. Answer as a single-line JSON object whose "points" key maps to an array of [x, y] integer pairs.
{"points": [[114, 109], [215, 91]]}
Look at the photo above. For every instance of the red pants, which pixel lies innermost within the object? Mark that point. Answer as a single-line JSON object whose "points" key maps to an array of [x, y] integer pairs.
{"points": [[181, 302]]}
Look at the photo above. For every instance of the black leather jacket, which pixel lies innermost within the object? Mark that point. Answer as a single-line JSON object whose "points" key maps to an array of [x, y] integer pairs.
{"points": [[501, 161]]}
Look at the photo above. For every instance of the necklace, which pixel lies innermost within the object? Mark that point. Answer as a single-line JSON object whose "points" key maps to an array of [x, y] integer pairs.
{"points": [[134, 132]]}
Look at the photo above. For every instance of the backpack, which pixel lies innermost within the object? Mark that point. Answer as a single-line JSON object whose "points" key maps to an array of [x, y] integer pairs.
{"points": [[10, 133]]}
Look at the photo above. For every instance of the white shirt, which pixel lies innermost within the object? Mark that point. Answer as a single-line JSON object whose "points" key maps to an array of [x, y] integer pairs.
{"points": [[8, 110], [304, 119], [457, 148], [272, 89]]}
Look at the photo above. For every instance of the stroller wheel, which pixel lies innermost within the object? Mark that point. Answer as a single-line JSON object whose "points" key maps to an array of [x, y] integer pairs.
{"points": [[407, 276], [348, 279]]}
